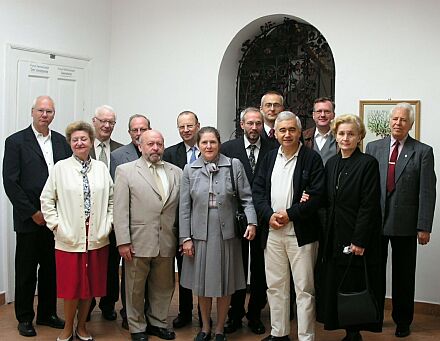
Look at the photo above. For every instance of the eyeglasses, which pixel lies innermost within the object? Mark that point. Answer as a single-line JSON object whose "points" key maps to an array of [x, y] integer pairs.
{"points": [[104, 122], [42, 111], [136, 130], [325, 112], [274, 105], [252, 123], [185, 127]]}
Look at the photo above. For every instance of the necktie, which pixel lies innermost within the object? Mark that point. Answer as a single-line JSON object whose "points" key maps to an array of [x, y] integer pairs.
{"points": [[193, 154], [252, 156], [158, 182], [271, 133], [391, 181], [103, 155]]}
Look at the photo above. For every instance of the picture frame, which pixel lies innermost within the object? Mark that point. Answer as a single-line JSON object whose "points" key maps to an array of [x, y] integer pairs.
{"points": [[375, 115]]}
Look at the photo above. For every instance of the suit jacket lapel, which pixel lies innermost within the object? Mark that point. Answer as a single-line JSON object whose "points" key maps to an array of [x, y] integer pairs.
{"points": [[404, 157], [32, 142], [181, 155], [384, 157], [145, 173]]}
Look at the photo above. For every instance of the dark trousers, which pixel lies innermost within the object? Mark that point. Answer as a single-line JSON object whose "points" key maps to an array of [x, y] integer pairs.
{"points": [[185, 295], [403, 260], [33, 249], [107, 303], [257, 299]]}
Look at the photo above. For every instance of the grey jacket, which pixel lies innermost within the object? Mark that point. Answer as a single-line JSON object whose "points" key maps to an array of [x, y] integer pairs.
{"points": [[410, 208], [194, 198]]}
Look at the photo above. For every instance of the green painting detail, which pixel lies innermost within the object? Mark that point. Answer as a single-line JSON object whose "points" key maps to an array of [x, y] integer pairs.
{"points": [[378, 122]]}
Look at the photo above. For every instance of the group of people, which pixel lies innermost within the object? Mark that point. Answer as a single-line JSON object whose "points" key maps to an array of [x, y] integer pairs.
{"points": [[314, 203]]}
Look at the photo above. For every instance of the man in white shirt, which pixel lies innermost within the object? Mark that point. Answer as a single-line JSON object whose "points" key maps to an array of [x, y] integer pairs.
{"points": [[250, 149], [104, 121], [181, 154], [293, 226], [272, 103], [320, 137], [30, 155]]}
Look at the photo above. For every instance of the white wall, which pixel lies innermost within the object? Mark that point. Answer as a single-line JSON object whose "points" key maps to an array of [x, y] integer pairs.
{"points": [[79, 28], [162, 57], [166, 57]]}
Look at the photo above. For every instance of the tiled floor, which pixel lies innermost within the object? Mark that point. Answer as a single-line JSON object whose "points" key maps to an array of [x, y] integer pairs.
{"points": [[424, 328]]}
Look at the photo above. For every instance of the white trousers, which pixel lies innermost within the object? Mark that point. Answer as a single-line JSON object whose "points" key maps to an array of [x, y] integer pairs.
{"points": [[281, 252]]}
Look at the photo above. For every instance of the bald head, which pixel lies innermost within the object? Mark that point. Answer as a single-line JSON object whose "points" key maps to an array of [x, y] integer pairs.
{"points": [[152, 145]]}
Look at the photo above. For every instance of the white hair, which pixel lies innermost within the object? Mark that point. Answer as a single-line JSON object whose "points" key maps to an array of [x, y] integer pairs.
{"points": [[287, 115], [405, 106]]}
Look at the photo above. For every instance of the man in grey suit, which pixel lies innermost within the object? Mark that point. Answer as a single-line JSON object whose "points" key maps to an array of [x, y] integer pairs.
{"points": [[146, 235], [137, 124], [408, 193], [104, 121], [320, 137]]}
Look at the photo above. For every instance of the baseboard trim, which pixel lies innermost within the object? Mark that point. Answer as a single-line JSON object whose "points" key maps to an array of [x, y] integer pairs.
{"points": [[2, 298], [419, 307]]}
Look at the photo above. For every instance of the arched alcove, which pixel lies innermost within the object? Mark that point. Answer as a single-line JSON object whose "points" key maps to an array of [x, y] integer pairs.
{"points": [[276, 52]]}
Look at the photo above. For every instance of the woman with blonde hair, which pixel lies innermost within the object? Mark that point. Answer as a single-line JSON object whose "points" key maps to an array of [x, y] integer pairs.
{"points": [[77, 204]]}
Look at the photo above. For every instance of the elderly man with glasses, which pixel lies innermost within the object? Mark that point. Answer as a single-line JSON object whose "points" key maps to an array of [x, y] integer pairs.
{"points": [[104, 121]]}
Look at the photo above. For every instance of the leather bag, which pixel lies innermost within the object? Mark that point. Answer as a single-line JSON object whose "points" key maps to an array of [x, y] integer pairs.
{"points": [[359, 307]]}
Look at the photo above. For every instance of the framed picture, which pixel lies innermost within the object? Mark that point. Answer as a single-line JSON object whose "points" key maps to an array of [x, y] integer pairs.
{"points": [[375, 115]]}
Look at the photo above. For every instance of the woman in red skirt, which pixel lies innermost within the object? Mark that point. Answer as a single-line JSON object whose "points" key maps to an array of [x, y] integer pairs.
{"points": [[77, 203]]}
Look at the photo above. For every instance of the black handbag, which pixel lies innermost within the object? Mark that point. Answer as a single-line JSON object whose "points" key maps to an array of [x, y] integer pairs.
{"points": [[240, 221], [360, 307]]}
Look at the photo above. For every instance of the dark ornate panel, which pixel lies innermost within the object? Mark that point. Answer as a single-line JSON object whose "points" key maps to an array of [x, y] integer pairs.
{"points": [[292, 58]]}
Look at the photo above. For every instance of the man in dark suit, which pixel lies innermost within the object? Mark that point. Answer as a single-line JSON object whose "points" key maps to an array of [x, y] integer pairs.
{"points": [[137, 124], [407, 180], [250, 149], [29, 156], [291, 239], [320, 137], [179, 155], [104, 121], [272, 103]]}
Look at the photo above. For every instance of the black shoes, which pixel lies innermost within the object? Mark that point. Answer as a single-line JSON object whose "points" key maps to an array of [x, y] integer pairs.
{"points": [[202, 336], [232, 325], [52, 321], [181, 321], [352, 336], [402, 330], [139, 337], [162, 333], [92, 306], [26, 329], [109, 315], [220, 337], [256, 326], [276, 338]]}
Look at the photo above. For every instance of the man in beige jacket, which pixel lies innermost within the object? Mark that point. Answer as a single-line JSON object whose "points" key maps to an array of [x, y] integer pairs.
{"points": [[145, 203]]}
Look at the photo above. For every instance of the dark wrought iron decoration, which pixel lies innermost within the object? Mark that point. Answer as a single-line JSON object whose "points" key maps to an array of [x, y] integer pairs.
{"points": [[292, 58]]}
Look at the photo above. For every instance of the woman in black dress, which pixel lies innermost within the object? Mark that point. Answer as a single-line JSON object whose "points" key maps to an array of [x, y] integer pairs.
{"points": [[353, 221]]}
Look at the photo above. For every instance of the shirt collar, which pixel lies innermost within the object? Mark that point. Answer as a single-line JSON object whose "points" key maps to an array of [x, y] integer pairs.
{"points": [[317, 133], [402, 142], [97, 143], [40, 135], [149, 164], [247, 143], [188, 147], [280, 152]]}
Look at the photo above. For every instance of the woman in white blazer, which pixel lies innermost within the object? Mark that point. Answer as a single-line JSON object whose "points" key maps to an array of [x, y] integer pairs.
{"points": [[77, 204]]}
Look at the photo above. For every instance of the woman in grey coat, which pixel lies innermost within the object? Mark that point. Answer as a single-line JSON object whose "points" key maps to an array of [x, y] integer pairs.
{"points": [[213, 265]]}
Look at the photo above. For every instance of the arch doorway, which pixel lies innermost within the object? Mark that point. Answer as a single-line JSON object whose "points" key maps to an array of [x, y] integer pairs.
{"points": [[287, 55]]}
